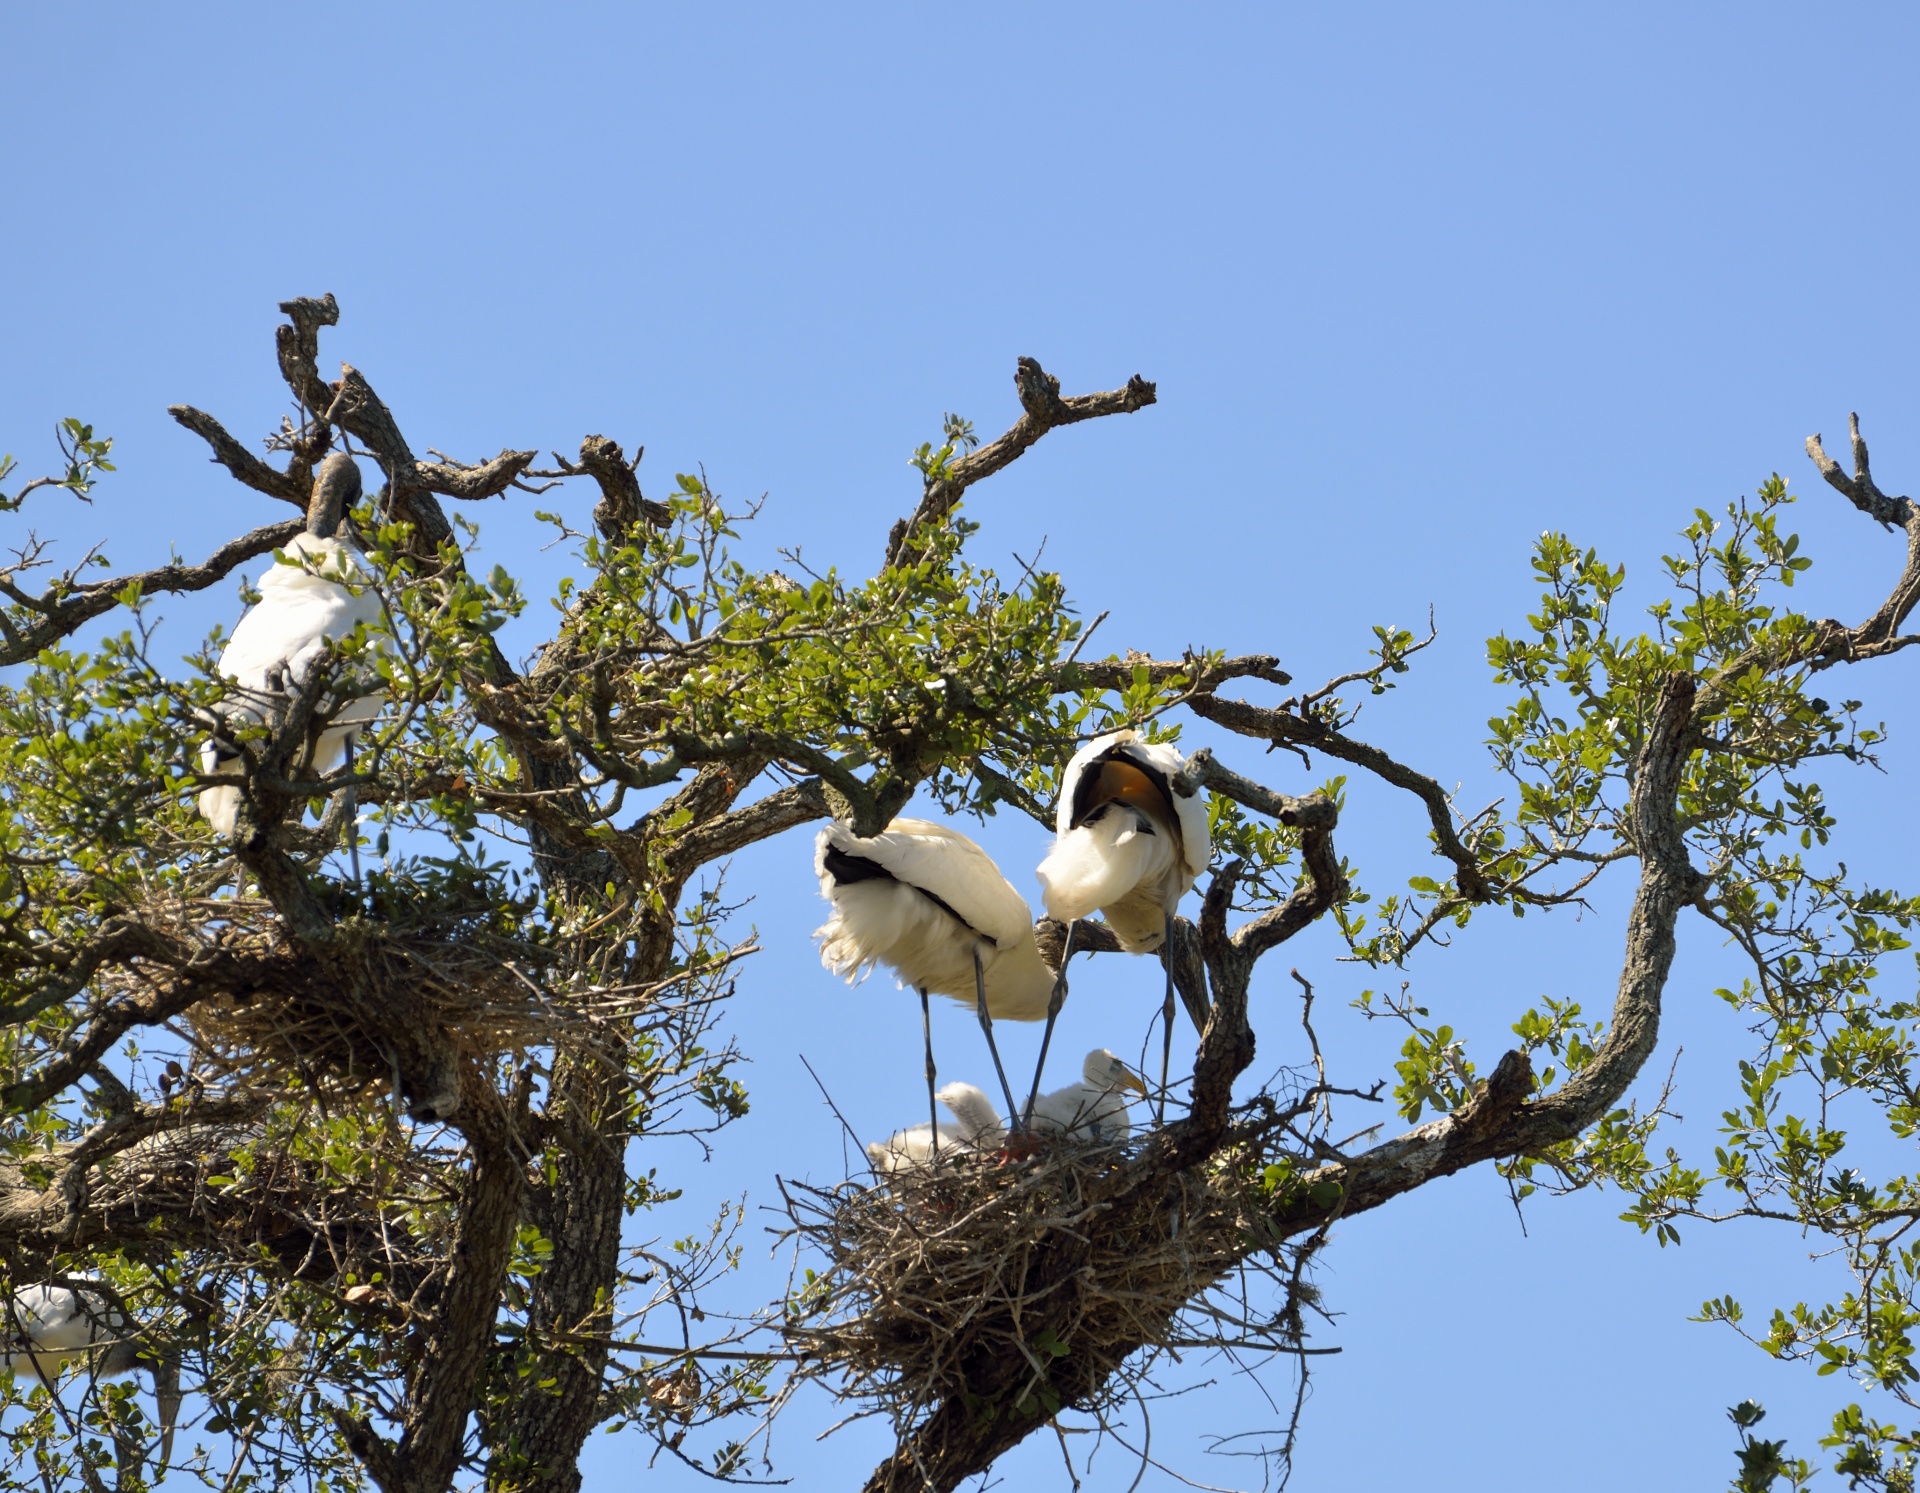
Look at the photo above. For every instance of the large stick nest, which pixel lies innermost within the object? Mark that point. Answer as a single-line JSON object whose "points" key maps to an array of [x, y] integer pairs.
{"points": [[1025, 1284], [420, 969]]}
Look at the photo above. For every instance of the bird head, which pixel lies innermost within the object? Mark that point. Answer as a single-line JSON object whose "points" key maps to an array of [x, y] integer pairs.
{"points": [[1107, 1072], [979, 1119], [336, 488]]}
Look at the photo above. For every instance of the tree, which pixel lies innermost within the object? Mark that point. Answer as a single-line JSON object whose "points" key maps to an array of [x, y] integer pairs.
{"points": [[362, 1303]]}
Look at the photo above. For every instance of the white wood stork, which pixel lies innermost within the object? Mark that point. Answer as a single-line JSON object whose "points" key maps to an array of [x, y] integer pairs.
{"points": [[1128, 845], [975, 1127], [928, 903], [49, 1328], [319, 595], [1095, 1109]]}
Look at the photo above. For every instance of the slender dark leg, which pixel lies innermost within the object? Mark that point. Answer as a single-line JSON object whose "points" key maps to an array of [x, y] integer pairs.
{"points": [[1166, 1016], [1054, 1003], [353, 822], [933, 1108], [986, 1025]]}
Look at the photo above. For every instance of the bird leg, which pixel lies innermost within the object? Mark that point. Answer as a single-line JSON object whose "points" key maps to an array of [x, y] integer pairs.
{"points": [[1054, 1003], [353, 823], [1166, 1016], [986, 1025], [933, 1106]]}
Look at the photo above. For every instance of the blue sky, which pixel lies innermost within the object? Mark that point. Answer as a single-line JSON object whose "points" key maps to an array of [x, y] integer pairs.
{"points": [[1415, 282]]}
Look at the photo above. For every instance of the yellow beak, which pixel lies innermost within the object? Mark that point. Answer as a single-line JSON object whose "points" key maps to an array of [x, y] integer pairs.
{"points": [[1126, 1078]]}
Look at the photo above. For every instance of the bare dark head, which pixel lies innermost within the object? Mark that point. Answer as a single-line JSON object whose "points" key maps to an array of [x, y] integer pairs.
{"points": [[336, 488]]}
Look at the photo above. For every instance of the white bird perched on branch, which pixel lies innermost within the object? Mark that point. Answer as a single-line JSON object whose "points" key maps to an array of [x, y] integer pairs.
{"points": [[1128, 845], [1093, 1109], [49, 1328], [316, 598], [928, 903], [975, 1127]]}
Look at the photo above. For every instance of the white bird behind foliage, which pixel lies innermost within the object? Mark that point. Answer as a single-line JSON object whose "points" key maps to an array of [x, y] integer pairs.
{"points": [[921, 898], [317, 594], [1126, 844], [1093, 1109], [48, 1328], [978, 1129]]}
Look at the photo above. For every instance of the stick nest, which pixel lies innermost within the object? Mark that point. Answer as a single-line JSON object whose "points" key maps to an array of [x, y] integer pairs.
{"points": [[425, 968], [1023, 1284]]}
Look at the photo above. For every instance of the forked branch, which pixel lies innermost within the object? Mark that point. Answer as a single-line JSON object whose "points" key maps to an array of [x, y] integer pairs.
{"points": [[1043, 409]]}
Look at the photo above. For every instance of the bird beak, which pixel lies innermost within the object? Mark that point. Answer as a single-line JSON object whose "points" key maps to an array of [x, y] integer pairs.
{"points": [[1125, 1078], [166, 1394]]}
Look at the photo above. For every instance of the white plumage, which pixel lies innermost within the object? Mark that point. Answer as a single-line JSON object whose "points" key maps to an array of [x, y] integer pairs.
{"points": [[50, 1327], [922, 899], [47, 1329], [1093, 1109], [976, 1127], [318, 595], [1127, 844]]}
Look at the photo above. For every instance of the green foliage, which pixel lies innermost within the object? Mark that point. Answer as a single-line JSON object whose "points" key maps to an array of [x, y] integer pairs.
{"points": [[674, 667], [1828, 1078], [678, 675], [1762, 1464], [85, 455]]}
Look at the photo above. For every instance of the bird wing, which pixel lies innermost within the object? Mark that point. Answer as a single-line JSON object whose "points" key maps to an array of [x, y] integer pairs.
{"points": [[299, 608], [1082, 1111], [979, 1120], [945, 865]]}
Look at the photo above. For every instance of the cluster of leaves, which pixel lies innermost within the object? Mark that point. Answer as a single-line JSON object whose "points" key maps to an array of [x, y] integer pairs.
{"points": [[85, 455], [1827, 1089]]}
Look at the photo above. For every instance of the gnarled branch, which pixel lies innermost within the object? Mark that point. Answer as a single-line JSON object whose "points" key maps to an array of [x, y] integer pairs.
{"points": [[64, 609], [1043, 409], [237, 459]]}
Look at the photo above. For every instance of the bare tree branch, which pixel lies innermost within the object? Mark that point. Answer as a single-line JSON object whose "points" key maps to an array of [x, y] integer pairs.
{"points": [[1284, 728], [1859, 489], [65, 608], [237, 459], [794, 805], [1322, 888], [621, 505], [297, 343], [1203, 770], [1197, 671], [1043, 410]]}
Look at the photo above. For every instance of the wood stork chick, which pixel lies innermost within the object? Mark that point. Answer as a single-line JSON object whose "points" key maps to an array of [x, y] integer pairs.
{"points": [[1128, 845], [1094, 1109], [318, 596], [928, 903], [47, 1329], [975, 1127]]}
